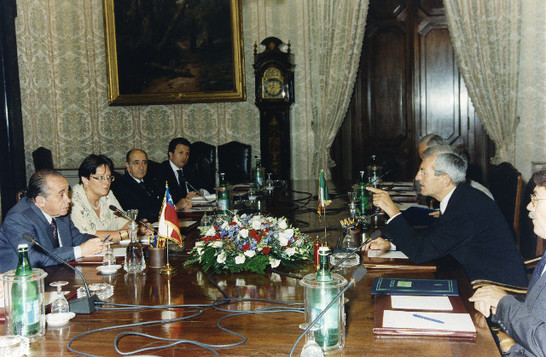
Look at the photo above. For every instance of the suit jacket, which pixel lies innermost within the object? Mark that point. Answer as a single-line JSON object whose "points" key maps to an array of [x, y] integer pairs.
{"points": [[525, 321], [26, 217], [131, 195], [472, 230], [166, 173]]}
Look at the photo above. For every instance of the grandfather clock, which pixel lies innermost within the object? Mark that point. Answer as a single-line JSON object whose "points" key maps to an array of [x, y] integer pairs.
{"points": [[274, 96]]}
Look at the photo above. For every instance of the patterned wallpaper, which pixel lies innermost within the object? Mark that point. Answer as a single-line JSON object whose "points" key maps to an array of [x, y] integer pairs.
{"points": [[62, 66], [64, 92]]}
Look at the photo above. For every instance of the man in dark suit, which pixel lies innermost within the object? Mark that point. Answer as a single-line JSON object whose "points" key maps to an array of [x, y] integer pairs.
{"points": [[43, 215], [181, 178], [524, 321], [471, 227], [137, 190]]}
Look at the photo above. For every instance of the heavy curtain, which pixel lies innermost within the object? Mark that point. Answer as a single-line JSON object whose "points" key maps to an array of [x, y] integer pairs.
{"points": [[335, 34], [486, 39]]}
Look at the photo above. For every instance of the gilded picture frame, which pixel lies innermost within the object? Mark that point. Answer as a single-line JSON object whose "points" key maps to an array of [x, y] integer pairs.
{"points": [[174, 51]]}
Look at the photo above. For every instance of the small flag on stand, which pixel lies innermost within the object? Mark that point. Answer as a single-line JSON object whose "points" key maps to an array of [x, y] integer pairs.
{"points": [[323, 199], [168, 227]]}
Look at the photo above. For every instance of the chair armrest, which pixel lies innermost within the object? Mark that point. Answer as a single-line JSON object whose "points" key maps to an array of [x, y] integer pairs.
{"points": [[476, 284]]}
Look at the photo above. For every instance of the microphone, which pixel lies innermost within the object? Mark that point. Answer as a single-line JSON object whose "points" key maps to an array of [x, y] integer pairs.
{"points": [[124, 215], [358, 274], [84, 305], [376, 234], [210, 203]]}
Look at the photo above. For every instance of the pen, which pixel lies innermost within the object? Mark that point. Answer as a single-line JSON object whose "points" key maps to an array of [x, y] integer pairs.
{"points": [[428, 318], [105, 239]]}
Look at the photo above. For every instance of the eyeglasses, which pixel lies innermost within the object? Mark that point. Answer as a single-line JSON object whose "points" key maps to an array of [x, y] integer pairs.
{"points": [[104, 178], [534, 199]]}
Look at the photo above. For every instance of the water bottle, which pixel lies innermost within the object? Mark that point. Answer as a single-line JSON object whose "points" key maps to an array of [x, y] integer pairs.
{"points": [[328, 333], [25, 298]]}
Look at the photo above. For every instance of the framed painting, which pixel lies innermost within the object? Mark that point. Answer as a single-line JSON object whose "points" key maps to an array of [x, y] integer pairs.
{"points": [[174, 51]]}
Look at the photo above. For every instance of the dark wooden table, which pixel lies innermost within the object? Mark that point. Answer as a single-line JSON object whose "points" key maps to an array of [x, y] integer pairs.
{"points": [[268, 334]]}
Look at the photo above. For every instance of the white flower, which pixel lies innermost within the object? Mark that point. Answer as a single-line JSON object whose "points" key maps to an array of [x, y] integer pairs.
{"points": [[290, 251], [274, 262], [221, 258], [199, 243], [240, 259], [250, 253], [256, 224], [283, 238], [289, 232], [282, 224], [217, 244], [200, 250], [243, 233], [211, 232], [225, 225]]}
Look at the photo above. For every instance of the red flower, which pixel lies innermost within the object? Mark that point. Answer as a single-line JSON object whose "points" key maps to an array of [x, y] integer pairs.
{"points": [[254, 235], [246, 247], [217, 236], [266, 250], [233, 224]]}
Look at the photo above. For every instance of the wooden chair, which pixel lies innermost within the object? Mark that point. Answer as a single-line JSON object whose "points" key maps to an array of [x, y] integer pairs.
{"points": [[505, 342], [235, 159], [506, 185]]}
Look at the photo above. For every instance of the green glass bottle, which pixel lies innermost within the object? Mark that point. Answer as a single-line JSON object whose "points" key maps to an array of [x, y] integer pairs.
{"points": [[328, 334], [363, 198], [258, 174], [222, 195], [25, 298]]}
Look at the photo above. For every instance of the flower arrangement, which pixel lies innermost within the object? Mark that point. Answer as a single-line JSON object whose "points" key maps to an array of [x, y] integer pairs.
{"points": [[250, 243]]}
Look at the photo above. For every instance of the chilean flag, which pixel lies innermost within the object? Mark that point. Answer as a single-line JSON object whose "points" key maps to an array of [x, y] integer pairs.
{"points": [[168, 227]]}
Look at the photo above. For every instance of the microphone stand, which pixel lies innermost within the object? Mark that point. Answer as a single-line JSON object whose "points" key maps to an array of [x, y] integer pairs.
{"points": [[138, 221], [210, 205], [83, 305], [357, 276]]}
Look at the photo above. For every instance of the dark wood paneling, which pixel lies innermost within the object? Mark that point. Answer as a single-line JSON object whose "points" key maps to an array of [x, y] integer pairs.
{"points": [[12, 155], [408, 85]]}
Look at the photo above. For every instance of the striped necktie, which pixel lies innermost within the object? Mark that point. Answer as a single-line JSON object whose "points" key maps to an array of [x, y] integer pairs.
{"points": [[55, 233]]}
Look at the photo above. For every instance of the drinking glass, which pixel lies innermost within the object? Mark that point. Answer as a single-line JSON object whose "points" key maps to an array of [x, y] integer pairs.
{"points": [[109, 258], [269, 184], [311, 347], [352, 196], [60, 304], [132, 213]]}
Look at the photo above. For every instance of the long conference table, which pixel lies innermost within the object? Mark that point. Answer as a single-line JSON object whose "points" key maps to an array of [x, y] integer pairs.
{"points": [[271, 334]]}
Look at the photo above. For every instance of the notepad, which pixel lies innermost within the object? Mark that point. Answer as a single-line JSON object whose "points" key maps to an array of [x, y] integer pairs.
{"points": [[118, 252], [390, 254], [412, 302], [431, 321]]}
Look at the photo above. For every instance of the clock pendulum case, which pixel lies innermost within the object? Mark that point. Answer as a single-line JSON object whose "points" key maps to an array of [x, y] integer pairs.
{"points": [[274, 74]]}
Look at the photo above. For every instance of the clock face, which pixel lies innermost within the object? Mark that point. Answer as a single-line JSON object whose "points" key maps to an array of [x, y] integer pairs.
{"points": [[273, 87], [273, 83]]}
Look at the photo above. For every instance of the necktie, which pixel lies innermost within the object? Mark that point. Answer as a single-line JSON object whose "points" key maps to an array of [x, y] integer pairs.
{"points": [[55, 233], [537, 273], [145, 188], [182, 183]]}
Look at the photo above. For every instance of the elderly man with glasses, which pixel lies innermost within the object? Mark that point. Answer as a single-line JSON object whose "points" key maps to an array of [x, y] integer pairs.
{"points": [[524, 321], [43, 215]]}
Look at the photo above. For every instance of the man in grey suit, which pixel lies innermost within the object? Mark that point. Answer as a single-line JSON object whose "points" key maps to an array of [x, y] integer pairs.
{"points": [[43, 215], [524, 321]]}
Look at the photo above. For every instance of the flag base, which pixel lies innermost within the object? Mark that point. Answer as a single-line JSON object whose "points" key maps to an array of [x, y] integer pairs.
{"points": [[167, 270]]}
